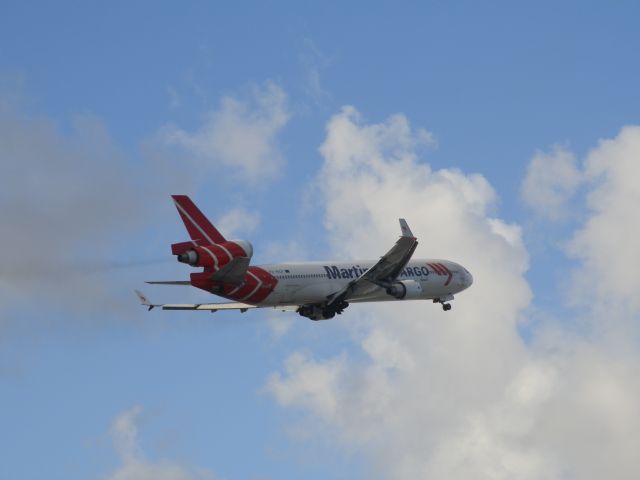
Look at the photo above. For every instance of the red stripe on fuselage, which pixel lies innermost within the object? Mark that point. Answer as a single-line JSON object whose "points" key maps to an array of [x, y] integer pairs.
{"points": [[269, 283], [448, 272], [436, 268], [442, 269], [257, 286]]}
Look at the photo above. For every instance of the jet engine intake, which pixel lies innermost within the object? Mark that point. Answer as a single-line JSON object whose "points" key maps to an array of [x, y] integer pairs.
{"points": [[405, 290]]}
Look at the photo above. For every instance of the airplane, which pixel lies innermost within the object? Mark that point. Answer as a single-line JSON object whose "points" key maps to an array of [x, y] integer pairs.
{"points": [[316, 290]]}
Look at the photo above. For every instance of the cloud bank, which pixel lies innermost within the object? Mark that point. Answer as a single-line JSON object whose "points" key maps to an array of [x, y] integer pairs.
{"points": [[70, 196], [460, 395], [607, 243], [64, 200]]}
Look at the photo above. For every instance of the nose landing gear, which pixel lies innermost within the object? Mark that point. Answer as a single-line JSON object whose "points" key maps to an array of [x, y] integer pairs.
{"points": [[443, 301]]}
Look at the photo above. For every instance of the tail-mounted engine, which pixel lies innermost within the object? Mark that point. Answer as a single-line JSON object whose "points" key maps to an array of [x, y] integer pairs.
{"points": [[405, 290], [214, 256]]}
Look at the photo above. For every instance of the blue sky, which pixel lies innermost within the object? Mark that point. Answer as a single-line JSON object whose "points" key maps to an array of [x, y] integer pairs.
{"points": [[107, 109]]}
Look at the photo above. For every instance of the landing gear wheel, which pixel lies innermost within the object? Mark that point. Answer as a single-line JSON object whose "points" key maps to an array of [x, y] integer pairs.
{"points": [[340, 308], [446, 307], [328, 313]]}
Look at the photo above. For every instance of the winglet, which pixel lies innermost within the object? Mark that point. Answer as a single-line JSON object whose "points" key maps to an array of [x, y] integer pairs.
{"points": [[406, 231], [144, 300]]}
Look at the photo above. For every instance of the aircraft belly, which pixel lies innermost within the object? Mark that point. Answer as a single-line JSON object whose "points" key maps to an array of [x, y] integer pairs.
{"points": [[434, 290], [298, 294], [314, 293]]}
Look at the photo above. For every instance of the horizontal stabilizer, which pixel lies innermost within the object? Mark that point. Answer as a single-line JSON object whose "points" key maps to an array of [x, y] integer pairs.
{"points": [[169, 282]]}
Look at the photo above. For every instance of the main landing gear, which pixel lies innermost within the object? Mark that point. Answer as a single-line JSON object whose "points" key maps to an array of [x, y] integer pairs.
{"points": [[317, 312]]}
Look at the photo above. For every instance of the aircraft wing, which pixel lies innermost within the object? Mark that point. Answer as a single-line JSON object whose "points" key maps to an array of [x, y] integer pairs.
{"points": [[212, 307], [383, 273]]}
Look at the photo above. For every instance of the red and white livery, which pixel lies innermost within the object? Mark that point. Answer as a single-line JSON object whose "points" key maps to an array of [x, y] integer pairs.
{"points": [[316, 290]]}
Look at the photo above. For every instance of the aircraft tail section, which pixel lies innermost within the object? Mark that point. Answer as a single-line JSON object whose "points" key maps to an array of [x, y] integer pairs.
{"points": [[199, 227]]}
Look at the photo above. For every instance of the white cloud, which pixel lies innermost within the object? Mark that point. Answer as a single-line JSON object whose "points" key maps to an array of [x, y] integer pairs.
{"points": [[456, 395], [238, 221], [124, 432], [240, 136], [309, 383], [313, 61], [552, 178], [279, 324], [174, 98]]}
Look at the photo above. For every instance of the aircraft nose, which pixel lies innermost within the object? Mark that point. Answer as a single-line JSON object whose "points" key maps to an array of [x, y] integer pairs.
{"points": [[468, 279]]}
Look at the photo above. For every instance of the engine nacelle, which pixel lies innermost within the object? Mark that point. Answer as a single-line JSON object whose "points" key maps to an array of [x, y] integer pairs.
{"points": [[215, 256], [246, 247], [405, 290]]}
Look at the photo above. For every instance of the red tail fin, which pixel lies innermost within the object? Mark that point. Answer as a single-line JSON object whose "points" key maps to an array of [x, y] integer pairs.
{"points": [[199, 228]]}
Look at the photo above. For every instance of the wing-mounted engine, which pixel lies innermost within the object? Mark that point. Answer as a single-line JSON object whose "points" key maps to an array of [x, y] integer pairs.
{"points": [[227, 261], [405, 290]]}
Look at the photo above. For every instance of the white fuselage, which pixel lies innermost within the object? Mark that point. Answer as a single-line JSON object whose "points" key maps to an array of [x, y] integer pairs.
{"points": [[312, 282]]}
